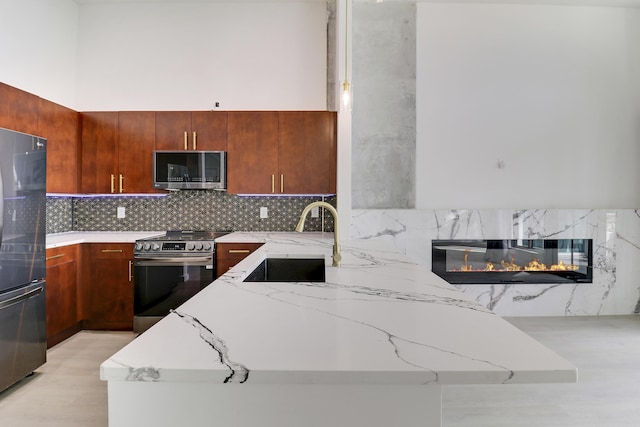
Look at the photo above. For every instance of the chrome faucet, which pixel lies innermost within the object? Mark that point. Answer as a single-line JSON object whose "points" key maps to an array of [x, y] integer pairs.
{"points": [[300, 227]]}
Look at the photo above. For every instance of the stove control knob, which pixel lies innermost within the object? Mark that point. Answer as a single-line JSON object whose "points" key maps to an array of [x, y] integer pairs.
{"points": [[190, 246], [207, 246], [198, 246], [147, 246], [138, 247], [155, 247]]}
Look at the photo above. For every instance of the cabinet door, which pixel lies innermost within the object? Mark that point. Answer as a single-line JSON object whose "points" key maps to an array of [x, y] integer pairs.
{"points": [[18, 110], [307, 156], [173, 130], [209, 130], [229, 254], [99, 152], [252, 152], [61, 127], [62, 294], [136, 138], [107, 272]]}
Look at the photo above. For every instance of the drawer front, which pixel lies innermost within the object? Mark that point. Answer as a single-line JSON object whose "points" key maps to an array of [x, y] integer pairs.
{"points": [[229, 254], [110, 250], [61, 255], [235, 251]]}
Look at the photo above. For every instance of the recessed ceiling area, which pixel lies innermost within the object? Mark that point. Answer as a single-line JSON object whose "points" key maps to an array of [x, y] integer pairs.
{"points": [[608, 3], [197, 1]]}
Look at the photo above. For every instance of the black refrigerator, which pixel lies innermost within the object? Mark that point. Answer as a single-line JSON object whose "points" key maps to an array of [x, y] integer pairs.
{"points": [[23, 341]]}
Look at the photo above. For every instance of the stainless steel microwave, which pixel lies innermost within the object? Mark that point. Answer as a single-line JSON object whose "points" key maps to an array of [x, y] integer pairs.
{"points": [[190, 170]]}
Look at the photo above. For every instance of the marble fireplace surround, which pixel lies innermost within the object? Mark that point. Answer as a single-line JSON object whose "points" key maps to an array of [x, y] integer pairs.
{"points": [[616, 251]]}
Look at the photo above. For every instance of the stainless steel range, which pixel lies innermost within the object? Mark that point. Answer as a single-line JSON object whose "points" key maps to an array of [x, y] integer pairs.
{"points": [[170, 269]]}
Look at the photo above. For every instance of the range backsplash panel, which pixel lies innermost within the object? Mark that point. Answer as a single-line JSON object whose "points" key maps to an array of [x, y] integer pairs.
{"points": [[183, 210]]}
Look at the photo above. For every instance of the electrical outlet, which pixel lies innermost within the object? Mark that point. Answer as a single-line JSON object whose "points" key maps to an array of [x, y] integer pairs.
{"points": [[120, 212], [315, 212], [264, 212]]}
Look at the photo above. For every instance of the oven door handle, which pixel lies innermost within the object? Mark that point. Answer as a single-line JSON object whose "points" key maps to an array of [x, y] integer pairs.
{"points": [[158, 262]]}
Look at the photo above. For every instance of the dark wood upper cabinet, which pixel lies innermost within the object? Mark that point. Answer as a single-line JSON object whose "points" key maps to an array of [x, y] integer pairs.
{"points": [[18, 110], [173, 130], [191, 130], [99, 152], [307, 156], [287, 152], [211, 130], [252, 152], [136, 138], [117, 152], [61, 127]]}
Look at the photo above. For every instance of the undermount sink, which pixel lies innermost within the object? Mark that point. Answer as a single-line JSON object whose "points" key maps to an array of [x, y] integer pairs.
{"points": [[288, 270]]}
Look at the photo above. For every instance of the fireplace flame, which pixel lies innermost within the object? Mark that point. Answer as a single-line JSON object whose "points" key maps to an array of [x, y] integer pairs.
{"points": [[533, 265]]}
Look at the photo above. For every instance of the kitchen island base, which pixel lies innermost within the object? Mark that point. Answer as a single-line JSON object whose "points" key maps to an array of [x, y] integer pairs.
{"points": [[370, 346], [199, 404]]}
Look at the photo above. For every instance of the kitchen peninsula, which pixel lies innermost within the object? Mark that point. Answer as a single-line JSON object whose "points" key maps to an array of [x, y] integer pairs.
{"points": [[370, 346]]}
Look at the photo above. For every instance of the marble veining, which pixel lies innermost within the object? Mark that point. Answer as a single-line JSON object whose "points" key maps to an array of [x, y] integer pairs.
{"points": [[238, 373], [616, 240], [146, 373], [378, 319]]}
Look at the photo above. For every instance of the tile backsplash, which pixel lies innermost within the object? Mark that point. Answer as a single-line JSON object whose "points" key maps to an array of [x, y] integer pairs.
{"points": [[182, 210]]}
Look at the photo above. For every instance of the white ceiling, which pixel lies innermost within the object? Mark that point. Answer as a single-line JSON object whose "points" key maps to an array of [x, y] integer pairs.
{"points": [[197, 1], [609, 3]]}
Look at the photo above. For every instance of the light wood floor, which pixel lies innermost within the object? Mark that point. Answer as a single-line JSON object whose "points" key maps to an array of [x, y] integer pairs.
{"points": [[67, 391], [606, 351]]}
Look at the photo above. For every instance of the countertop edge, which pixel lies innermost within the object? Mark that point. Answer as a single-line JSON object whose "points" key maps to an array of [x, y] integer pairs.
{"points": [[56, 240]]}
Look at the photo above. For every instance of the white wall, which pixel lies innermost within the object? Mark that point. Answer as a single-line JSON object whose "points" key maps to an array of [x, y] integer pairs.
{"points": [[181, 56], [552, 92], [38, 47]]}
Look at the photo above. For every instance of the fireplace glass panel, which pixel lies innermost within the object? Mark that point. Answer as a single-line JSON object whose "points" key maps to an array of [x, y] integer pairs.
{"points": [[513, 261]]}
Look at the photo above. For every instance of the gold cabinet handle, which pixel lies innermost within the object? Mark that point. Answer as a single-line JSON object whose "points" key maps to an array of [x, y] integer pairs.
{"points": [[239, 251], [131, 271], [49, 258], [121, 183], [186, 146], [273, 183], [282, 183], [113, 183], [111, 251], [195, 145]]}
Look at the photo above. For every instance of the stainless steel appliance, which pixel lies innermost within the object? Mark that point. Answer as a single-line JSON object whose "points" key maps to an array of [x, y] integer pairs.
{"points": [[23, 341], [194, 170], [168, 270]]}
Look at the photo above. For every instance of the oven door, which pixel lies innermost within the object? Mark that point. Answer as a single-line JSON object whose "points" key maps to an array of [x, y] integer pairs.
{"points": [[163, 284]]}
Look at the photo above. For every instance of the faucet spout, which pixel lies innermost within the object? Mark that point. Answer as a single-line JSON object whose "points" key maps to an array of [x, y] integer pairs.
{"points": [[337, 258]]}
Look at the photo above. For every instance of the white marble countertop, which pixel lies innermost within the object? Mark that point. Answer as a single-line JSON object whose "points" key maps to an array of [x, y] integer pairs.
{"points": [[379, 319], [55, 240]]}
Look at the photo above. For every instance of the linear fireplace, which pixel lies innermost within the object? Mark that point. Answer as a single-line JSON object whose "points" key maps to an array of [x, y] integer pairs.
{"points": [[513, 261]]}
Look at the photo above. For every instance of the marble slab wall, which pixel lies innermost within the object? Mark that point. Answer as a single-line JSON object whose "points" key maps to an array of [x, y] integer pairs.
{"points": [[183, 210], [616, 252]]}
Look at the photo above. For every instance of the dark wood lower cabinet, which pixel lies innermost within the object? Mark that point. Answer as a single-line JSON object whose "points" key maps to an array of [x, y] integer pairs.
{"points": [[62, 293], [108, 285], [229, 254]]}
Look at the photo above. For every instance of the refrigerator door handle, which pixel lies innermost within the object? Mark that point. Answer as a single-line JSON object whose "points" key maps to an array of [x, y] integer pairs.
{"points": [[1, 205], [20, 298]]}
